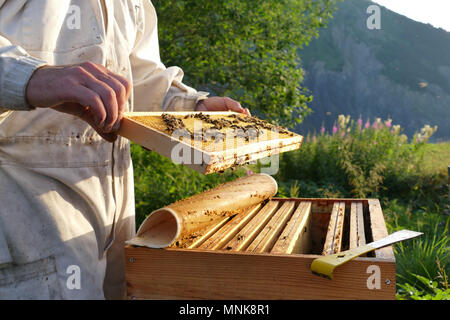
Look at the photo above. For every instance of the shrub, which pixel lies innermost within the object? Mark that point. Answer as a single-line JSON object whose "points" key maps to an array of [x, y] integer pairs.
{"points": [[356, 160]]}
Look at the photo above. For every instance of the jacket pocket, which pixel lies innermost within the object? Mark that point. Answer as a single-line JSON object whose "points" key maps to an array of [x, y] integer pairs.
{"points": [[35, 280]]}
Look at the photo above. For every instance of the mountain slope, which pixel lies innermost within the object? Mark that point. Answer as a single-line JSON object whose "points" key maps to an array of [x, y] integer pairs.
{"points": [[401, 71]]}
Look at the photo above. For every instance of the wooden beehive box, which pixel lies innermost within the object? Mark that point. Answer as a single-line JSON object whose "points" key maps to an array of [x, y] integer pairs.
{"points": [[192, 138], [266, 253]]}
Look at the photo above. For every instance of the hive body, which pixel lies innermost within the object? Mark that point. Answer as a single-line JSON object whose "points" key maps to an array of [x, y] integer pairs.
{"points": [[266, 253]]}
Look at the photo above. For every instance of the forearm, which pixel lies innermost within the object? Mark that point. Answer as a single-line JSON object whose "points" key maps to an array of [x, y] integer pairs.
{"points": [[16, 68], [182, 98]]}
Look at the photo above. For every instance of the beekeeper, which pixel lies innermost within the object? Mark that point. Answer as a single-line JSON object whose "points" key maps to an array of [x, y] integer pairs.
{"points": [[68, 69]]}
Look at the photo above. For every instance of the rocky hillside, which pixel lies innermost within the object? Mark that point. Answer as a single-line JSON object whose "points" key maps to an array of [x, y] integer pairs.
{"points": [[401, 71]]}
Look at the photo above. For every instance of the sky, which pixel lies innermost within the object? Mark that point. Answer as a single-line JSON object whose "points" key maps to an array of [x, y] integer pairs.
{"points": [[434, 12]]}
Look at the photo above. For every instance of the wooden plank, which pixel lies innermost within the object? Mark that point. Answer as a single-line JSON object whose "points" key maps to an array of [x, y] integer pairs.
{"points": [[218, 239], [357, 233], [321, 210], [206, 274], [229, 158], [256, 146], [199, 157], [378, 228], [161, 143], [268, 236], [324, 201], [244, 237], [295, 238], [179, 113], [208, 233], [333, 240]]}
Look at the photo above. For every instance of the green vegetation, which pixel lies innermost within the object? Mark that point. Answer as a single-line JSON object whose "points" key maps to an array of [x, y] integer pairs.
{"points": [[436, 156], [244, 49]]}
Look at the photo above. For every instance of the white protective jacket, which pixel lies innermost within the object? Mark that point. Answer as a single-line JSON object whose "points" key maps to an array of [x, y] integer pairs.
{"points": [[66, 195]]}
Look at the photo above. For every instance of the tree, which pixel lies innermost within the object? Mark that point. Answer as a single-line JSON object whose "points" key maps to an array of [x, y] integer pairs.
{"points": [[244, 49]]}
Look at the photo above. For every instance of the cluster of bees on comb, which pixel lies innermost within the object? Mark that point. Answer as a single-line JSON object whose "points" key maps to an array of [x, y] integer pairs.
{"points": [[251, 128]]}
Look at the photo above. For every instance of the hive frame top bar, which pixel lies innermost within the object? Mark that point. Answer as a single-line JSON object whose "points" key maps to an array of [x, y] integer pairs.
{"points": [[211, 161], [178, 113], [319, 206]]}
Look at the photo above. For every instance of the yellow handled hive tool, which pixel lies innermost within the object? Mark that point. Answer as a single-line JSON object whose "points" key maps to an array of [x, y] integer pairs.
{"points": [[325, 265]]}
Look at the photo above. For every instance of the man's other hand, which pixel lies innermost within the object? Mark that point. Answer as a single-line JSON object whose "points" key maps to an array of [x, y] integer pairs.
{"points": [[221, 104], [87, 90]]}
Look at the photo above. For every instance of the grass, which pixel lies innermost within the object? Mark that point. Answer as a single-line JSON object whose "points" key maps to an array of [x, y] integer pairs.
{"points": [[423, 264], [437, 157], [427, 257]]}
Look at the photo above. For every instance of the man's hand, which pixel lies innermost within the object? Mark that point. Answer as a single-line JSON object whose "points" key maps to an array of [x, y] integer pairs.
{"points": [[87, 90], [221, 104]]}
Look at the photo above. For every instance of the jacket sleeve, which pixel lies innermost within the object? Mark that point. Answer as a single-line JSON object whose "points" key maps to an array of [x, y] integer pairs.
{"points": [[16, 68], [155, 86]]}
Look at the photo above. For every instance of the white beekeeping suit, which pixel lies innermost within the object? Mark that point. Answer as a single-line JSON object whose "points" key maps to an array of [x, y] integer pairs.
{"points": [[66, 195]]}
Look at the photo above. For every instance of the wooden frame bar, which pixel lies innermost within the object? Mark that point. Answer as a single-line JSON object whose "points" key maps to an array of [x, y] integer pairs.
{"points": [[269, 235], [296, 236], [224, 234], [333, 242], [201, 160], [357, 233], [378, 228], [208, 233], [243, 238]]}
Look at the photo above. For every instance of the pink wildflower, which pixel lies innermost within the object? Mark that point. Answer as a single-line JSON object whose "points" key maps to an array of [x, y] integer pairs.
{"points": [[367, 125], [322, 130], [249, 172], [335, 129]]}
